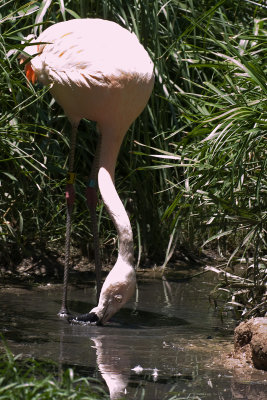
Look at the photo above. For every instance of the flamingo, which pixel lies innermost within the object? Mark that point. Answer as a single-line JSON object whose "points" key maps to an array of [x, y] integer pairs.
{"points": [[98, 70]]}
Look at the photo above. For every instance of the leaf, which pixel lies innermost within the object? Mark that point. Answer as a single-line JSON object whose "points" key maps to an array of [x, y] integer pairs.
{"points": [[12, 177]]}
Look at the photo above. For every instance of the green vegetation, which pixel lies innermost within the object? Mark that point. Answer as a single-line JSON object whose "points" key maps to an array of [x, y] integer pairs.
{"points": [[30, 379], [192, 169]]}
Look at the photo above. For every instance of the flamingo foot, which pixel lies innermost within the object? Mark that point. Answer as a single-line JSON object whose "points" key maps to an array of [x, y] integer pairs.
{"points": [[63, 313], [84, 319]]}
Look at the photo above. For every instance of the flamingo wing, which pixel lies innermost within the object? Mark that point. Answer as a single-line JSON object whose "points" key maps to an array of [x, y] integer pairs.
{"points": [[85, 51]]}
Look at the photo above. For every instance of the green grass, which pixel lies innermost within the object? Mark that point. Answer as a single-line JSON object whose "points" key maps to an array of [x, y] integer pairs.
{"points": [[31, 380], [220, 200]]}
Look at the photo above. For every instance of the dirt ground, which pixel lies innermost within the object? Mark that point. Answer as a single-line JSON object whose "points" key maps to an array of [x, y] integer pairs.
{"points": [[250, 343]]}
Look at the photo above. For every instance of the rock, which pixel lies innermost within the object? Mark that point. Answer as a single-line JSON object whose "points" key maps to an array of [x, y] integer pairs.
{"points": [[251, 341]]}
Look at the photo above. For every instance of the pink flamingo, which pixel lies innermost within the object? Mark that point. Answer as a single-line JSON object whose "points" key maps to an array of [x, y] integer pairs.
{"points": [[98, 70]]}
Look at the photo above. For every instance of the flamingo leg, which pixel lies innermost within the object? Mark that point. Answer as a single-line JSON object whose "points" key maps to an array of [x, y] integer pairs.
{"points": [[91, 196], [70, 197]]}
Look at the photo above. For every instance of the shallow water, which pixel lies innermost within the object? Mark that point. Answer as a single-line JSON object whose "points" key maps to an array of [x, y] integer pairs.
{"points": [[168, 340]]}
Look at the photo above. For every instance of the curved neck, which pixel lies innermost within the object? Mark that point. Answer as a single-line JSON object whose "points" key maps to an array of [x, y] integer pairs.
{"points": [[107, 160]]}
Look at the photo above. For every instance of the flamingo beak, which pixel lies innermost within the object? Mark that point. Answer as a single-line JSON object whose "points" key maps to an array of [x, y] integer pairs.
{"points": [[84, 319]]}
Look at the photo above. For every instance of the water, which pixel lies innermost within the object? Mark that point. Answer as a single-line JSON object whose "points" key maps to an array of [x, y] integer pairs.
{"points": [[168, 340]]}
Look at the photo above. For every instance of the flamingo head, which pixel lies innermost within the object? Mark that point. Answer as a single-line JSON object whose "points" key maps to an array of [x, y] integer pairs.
{"points": [[116, 291]]}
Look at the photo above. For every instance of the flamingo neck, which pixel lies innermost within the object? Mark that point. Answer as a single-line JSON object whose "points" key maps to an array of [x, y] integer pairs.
{"points": [[107, 161], [126, 248], [118, 215]]}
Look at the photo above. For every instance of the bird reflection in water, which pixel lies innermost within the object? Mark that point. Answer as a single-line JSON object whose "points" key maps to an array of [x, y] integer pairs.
{"points": [[112, 366]]}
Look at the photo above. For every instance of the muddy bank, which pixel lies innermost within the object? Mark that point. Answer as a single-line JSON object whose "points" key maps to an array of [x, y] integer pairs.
{"points": [[247, 360], [47, 266], [250, 341]]}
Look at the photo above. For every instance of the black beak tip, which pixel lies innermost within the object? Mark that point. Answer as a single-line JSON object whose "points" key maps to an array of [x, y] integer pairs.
{"points": [[84, 319]]}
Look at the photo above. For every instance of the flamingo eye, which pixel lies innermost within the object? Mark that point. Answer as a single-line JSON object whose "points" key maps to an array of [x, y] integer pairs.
{"points": [[118, 298]]}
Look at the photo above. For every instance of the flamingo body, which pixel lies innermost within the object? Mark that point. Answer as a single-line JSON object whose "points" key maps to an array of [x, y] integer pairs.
{"points": [[93, 67], [98, 70]]}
